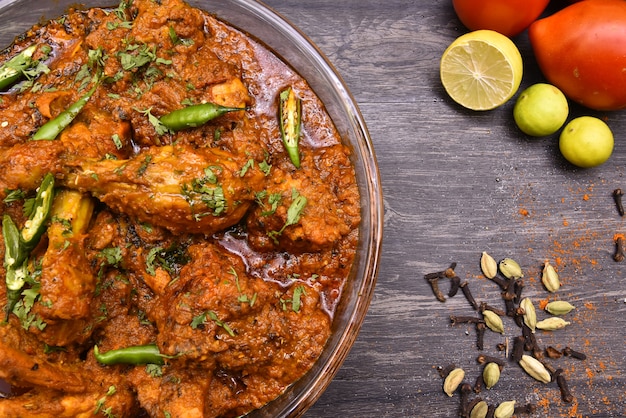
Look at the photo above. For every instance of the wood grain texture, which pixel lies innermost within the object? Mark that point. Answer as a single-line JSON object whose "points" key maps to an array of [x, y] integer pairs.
{"points": [[457, 183]]}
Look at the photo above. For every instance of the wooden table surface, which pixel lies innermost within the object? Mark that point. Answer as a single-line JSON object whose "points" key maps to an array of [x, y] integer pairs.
{"points": [[457, 183]]}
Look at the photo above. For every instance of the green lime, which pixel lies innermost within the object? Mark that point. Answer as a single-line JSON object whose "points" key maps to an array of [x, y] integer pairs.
{"points": [[586, 142], [540, 110]]}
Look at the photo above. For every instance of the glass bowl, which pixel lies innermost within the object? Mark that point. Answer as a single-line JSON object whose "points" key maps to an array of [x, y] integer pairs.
{"points": [[301, 54]]}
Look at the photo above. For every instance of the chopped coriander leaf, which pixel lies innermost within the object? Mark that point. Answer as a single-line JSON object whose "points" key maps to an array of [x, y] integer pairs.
{"points": [[163, 61], [295, 209], [13, 195], [144, 165], [199, 320], [115, 25], [293, 214], [207, 191], [173, 36], [178, 41], [158, 126], [117, 141], [187, 102], [96, 58], [150, 258], [296, 298], [265, 167], [136, 56], [112, 256], [29, 206], [154, 370], [243, 298], [248, 165], [171, 259]]}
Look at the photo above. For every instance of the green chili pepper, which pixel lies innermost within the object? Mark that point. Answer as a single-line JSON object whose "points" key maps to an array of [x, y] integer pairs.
{"points": [[35, 225], [15, 280], [13, 69], [18, 245], [139, 354], [15, 259], [51, 129], [194, 115], [13, 254], [290, 116]]}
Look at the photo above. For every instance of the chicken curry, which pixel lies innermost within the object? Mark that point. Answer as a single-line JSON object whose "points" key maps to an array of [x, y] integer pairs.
{"points": [[179, 217]]}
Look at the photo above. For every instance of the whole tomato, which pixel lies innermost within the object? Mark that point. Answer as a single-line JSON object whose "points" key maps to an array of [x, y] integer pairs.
{"points": [[509, 17], [581, 49]]}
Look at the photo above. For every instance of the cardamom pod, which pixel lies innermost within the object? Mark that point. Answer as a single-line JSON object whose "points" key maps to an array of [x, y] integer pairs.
{"points": [[510, 269], [550, 278], [479, 410], [488, 265], [453, 380], [491, 375], [535, 369], [493, 321], [559, 307], [505, 410], [530, 315], [552, 324]]}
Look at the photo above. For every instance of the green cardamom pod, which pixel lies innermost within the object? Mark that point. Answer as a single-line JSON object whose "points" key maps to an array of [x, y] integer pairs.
{"points": [[550, 278], [493, 321], [488, 265], [535, 369], [453, 380], [552, 324], [479, 410], [559, 307], [510, 269], [505, 410], [530, 316], [491, 375]]}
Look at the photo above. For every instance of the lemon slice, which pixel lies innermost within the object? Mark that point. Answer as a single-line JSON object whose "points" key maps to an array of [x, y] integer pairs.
{"points": [[481, 70]]}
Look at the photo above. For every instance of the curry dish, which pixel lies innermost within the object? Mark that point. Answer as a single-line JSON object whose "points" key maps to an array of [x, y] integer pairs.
{"points": [[179, 217]]}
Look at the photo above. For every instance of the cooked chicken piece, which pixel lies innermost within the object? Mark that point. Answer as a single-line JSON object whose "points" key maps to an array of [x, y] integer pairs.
{"points": [[177, 187], [24, 165], [21, 367], [330, 212], [112, 396], [181, 392], [67, 280]]}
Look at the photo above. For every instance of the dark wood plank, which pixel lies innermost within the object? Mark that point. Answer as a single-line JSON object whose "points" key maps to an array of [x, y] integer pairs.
{"points": [[457, 183]]}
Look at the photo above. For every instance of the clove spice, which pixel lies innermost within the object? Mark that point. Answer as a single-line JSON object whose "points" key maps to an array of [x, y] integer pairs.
{"points": [[484, 359], [481, 327], [617, 195], [454, 320], [468, 294], [619, 249], [455, 283], [433, 280], [575, 354], [486, 307], [466, 389], [518, 348], [528, 408], [566, 395]]}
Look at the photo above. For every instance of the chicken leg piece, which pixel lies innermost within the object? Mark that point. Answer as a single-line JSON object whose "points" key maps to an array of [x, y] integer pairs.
{"points": [[180, 188]]}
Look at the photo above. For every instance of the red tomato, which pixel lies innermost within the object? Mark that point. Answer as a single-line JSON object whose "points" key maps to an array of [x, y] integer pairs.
{"points": [[581, 49], [509, 17]]}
